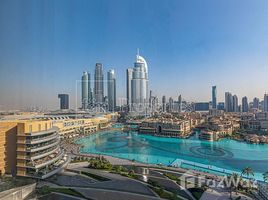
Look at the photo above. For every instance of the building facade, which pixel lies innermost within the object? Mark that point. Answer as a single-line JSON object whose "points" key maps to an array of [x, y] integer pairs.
{"points": [[98, 84], [38, 149], [64, 101], [86, 90], [245, 107], [129, 73], [265, 103], [214, 97], [139, 86], [111, 90]]}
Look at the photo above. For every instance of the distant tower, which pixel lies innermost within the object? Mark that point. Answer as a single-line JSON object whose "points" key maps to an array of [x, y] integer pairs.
{"points": [[265, 103], [139, 85], [179, 103], [85, 90], [164, 107], [64, 101], [235, 104], [245, 104], [228, 102], [256, 103], [214, 97], [151, 99], [111, 90], [129, 78], [170, 105], [98, 84]]}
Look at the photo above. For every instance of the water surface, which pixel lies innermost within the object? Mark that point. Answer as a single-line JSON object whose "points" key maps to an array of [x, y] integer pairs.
{"points": [[226, 154]]}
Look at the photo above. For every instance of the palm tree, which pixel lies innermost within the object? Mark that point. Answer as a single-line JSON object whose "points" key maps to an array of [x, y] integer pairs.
{"points": [[228, 182], [265, 176], [247, 171], [237, 181]]}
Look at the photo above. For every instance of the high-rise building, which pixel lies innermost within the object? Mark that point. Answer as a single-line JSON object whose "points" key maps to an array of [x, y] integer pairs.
{"points": [[179, 103], [235, 104], [111, 90], [139, 85], [150, 99], [90, 96], [98, 84], [164, 107], [265, 103], [64, 101], [245, 104], [85, 90], [228, 102], [170, 105], [256, 103], [214, 97], [129, 78]]}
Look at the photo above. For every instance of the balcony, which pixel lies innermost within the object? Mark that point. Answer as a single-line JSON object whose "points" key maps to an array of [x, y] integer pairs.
{"points": [[42, 139], [45, 161], [53, 129], [42, 147], [43, 154], [38, 155], [45, 173]]}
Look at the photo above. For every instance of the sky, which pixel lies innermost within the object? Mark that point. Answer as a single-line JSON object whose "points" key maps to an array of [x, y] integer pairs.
{"points": [[189, 46]]}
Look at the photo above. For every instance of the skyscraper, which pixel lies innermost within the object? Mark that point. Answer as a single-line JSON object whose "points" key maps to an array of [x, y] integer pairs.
{"points": [[170, 105], [139, 85], [228, 102], [214, 97], [98, 84], [111, 90], [256, 103], [164, 107], [85, 90], [64, 101], [129, 78], [265, 103], [150, 99], [235, 104], [179, 103], [245, 104]]}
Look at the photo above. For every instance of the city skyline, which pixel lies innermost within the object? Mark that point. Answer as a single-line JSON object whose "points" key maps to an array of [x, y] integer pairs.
{"points": [[188, 52]]}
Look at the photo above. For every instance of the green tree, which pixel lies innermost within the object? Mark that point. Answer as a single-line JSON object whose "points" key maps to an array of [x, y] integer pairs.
{"points": [[248, 171], [265, 176]]}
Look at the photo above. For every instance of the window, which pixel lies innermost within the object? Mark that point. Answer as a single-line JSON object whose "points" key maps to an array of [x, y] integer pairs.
{"points": [[30, 128]]}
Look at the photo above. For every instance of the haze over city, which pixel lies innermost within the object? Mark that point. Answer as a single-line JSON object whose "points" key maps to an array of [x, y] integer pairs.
{"points": [[46, 45]]}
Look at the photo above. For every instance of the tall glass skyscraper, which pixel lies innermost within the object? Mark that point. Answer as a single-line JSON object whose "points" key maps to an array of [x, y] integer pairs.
{"points": [[139, 85], [235, 104], [214, 97], [111, 90], [245, 104], [265, 103], [228, 102], [64, 101], [164, 106], [98, 84], [85, 90], [128, 86]]}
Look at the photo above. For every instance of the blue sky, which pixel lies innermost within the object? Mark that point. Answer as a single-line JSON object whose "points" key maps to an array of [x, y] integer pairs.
{"points": [[189, 46]]}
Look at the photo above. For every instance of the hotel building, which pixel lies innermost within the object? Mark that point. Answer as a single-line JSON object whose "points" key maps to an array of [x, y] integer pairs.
{"points": [[38, 151]]}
